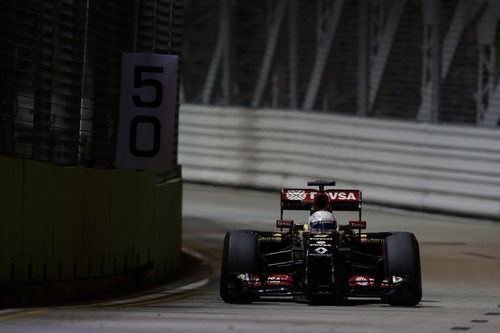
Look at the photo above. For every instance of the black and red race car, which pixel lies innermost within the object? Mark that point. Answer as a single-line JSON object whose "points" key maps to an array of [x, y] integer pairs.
{"points": [[321, 265]]}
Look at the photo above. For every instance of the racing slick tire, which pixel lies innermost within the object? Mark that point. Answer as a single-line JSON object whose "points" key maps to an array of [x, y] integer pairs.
{"points": [[403, 259], [239, 256]]}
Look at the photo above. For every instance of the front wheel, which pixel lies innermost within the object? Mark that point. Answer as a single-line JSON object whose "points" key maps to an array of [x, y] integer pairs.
{"points": [[239, 257], [403, 260]]}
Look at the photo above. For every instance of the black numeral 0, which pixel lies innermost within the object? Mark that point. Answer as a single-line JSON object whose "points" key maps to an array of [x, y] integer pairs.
{"points": [[156, 136], [155, 84]]}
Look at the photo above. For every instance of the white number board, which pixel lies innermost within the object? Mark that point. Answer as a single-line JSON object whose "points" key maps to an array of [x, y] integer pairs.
{"points": [[147, 111]]}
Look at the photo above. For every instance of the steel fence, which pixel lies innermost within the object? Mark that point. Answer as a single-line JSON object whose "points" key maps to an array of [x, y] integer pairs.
{"points": [[424, 60]]}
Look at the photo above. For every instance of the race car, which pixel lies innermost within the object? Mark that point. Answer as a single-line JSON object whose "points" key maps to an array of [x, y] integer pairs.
{"points": [[321, 260]]}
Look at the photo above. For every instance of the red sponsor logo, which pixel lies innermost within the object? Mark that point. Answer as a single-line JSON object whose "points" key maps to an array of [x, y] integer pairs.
{"points": [[276, 279], [367, 281], [284, 223], [281, 279], [361, 281], [357, 224]]}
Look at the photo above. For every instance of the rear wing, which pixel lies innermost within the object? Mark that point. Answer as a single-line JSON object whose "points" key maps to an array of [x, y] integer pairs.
{"points": [[309, 199]]}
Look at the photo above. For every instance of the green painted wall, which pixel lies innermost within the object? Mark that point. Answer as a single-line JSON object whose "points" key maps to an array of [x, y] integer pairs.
{"points": [[72, 223]]}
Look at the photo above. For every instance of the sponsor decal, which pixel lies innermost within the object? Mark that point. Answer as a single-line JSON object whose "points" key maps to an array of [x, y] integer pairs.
{"points": [[362, 281], [342, 196], [320, 250], [295, 195], [322, 236], [367, 281], [276, 279], [357, 224], [320, 243], [284, 223], [280, 279], [309, 195]]}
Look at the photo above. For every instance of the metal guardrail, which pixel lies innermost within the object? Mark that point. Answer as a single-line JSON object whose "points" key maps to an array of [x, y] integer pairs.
{"points": [[427, 60], [446, 169]]}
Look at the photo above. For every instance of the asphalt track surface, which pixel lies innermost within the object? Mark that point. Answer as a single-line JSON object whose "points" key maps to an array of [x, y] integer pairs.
{"points": [[460, 270]]}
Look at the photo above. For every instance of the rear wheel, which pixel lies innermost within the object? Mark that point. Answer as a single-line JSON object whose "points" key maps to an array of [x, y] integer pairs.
{"points": [[403, 260], [239, 257]]}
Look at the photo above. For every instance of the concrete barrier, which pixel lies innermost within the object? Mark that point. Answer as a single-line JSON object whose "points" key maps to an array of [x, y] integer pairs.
{"points": [[69, 224], [438, 168]]}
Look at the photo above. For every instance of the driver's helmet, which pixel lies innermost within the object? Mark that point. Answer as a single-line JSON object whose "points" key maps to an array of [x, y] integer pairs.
{"points": [[322, 220]]}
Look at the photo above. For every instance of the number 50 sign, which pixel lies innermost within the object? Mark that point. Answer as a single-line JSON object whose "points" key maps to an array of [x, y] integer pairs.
{"points": [[147, 111]]}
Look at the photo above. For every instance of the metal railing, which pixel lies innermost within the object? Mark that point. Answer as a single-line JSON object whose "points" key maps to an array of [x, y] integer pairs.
{"points": [[429, 60]]}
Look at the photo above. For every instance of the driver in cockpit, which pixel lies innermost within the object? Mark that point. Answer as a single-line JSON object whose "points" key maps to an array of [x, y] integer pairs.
{"points": [[322, 221]]}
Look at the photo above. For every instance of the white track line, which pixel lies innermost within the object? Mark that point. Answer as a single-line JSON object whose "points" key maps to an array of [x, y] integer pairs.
{"points": [[164, 292]]}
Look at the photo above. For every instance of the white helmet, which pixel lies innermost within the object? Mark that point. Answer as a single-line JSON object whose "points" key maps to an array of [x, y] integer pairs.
{"points": [[322, 220]]}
